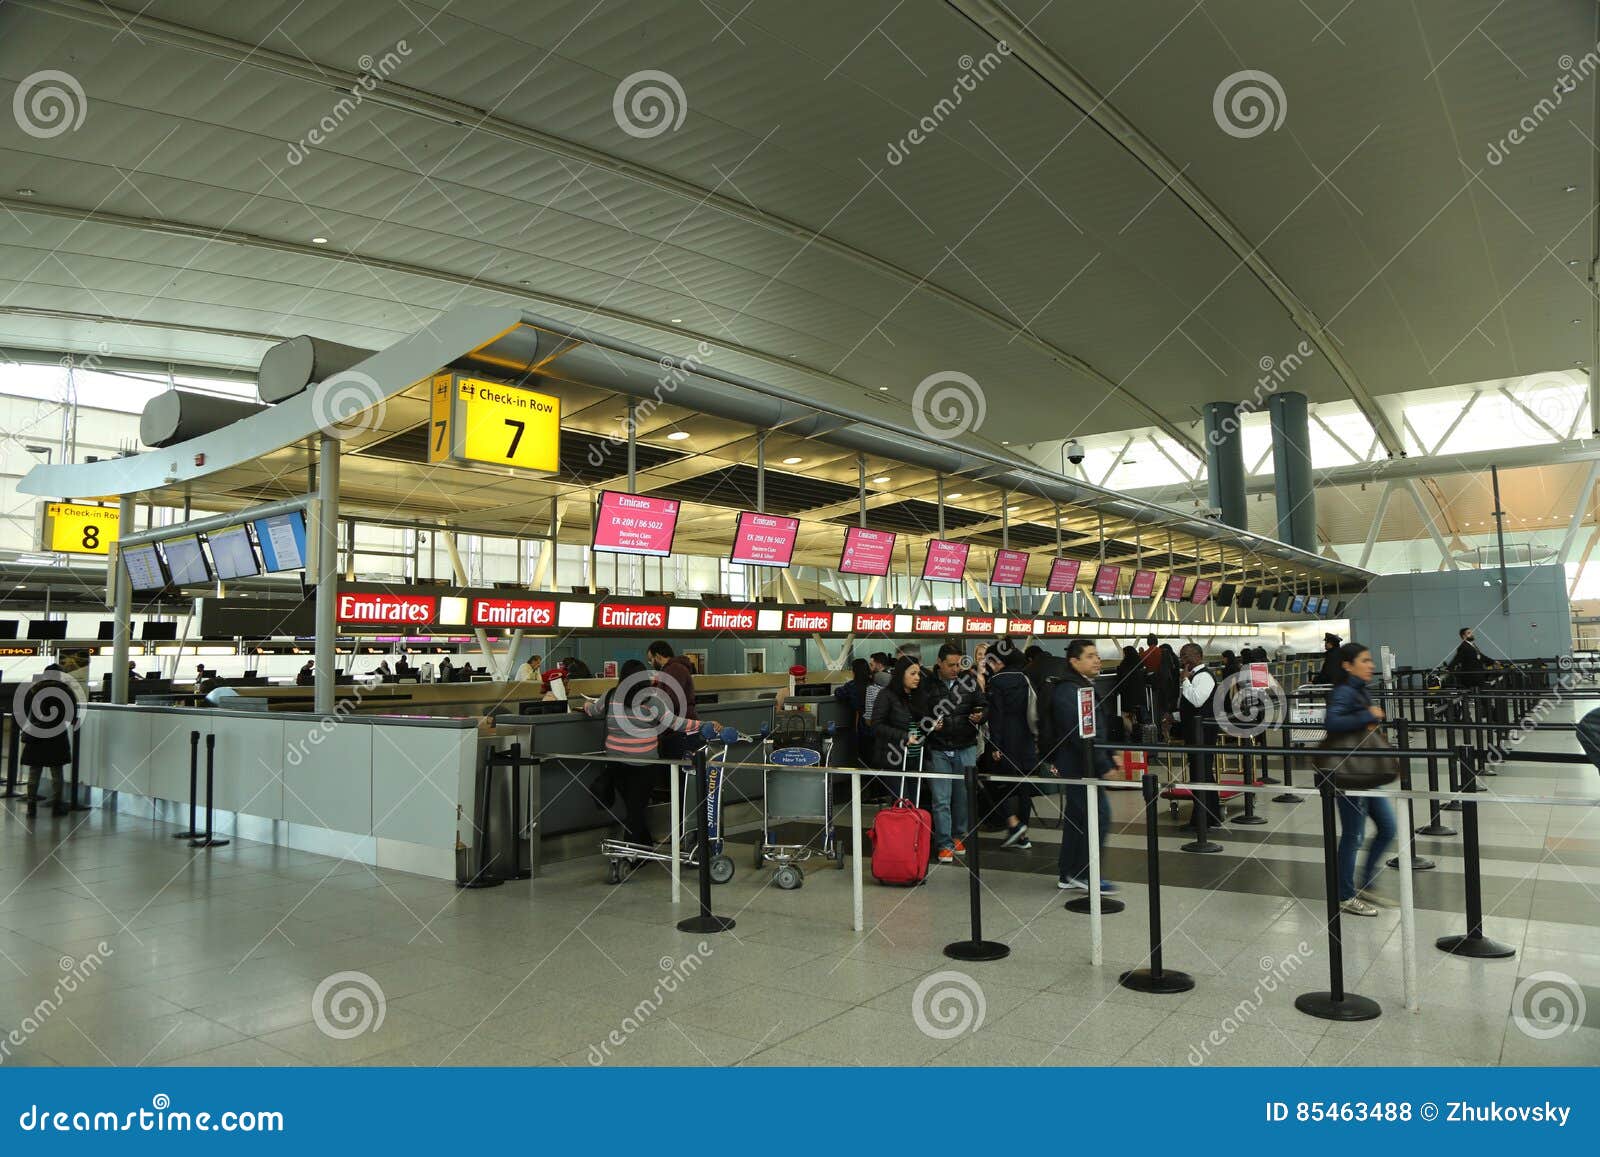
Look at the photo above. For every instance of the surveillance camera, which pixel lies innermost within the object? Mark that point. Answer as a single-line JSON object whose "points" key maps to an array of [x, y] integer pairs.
{"points": [[1075, 452]]}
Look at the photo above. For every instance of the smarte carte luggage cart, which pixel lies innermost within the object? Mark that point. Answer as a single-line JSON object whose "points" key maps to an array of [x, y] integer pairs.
{"points": [[619, 853], [796, 796]]}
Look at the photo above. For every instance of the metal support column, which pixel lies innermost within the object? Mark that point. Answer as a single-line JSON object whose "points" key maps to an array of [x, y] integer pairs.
{"points": [[633, 444], [122, 592], [1225, 476], [1294, 485], [327, 572]]}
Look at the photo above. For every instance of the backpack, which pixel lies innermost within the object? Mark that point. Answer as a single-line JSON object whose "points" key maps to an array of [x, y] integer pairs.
{"points": [[1047, 735]]}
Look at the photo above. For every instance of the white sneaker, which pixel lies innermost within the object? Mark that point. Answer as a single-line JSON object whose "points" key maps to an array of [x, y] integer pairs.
{"points": [[1358, 907], [1072, 885]]}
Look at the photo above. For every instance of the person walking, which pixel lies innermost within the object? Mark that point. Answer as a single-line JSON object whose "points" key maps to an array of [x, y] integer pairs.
{"points": [[1013, 738], [1074, 759], [1350, 708], [955, 706]]}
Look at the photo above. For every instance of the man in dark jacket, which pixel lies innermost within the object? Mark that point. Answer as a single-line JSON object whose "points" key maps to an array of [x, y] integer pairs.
{"points": [[1074, 758], [1468, 662], [1013, 727], [675, 677], [955, 708]]}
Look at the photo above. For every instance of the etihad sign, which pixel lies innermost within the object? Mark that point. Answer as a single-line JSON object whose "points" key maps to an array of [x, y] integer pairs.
{"points": [[629, 616], [814, 621], [382, 608], [513, 613], [727, 619]]}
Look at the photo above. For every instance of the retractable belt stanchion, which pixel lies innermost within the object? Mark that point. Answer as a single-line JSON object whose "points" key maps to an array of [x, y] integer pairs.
{"points": [[705, 921], [207, 840], [1246, 762], [975, 948], [1453, 710], [1418, 863], [512, 760], [74, 789], [13, 759], [1156, 978], [1434, 827], [1336, 1003], [1288, 779], [1473, 943], [1201, 811], [1266, 779], [193, 832]]}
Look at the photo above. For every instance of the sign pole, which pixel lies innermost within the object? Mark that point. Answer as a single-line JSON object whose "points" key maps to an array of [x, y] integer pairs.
{"points": [[122, 588]]}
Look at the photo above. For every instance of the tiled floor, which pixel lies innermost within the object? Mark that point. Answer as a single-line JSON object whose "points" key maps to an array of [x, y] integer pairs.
{"points": [[218, 957]]}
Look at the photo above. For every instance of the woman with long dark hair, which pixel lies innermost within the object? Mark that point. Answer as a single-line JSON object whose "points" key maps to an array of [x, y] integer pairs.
{"points": [[852, 696], [897, 712], [1350, 708]]}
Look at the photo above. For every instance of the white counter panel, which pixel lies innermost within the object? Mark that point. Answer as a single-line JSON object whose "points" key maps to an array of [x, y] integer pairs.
{"points": [[250, 764], [169, 756], [328, 783], [415, 773]]}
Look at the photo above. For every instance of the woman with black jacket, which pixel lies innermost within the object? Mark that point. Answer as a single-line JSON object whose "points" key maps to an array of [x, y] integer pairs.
{"points": [[852, 696], [899, 708], [1130, 691]]}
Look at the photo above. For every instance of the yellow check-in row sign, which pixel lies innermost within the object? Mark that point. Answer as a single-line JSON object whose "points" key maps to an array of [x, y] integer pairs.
{"points": [[78, 528], [472, 420]]}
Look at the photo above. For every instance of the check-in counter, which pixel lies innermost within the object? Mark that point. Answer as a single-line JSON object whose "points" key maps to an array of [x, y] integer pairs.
{"points": [[395, 791]]}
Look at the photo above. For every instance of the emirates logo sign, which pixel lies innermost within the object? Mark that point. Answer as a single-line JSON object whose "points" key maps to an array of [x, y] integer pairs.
{"points": [[872, 623], [629, 617], [808, 621], [727, 619], [512, 613], [980, 624], [930, 624], [402, 610]]}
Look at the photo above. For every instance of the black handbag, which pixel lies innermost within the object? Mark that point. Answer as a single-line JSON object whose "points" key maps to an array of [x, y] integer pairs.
{"points": [[1357, 760]]}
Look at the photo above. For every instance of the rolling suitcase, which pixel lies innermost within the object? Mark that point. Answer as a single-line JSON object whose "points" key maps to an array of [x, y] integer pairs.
{"points": [[902, 839]]}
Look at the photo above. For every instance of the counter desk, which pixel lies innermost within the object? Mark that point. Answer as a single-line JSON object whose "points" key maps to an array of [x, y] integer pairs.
{"points": [[394, 791]]}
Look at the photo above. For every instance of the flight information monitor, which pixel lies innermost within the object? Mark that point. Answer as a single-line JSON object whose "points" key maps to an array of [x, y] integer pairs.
{"points": [[233, 554], [144, 567], [1063, 575], [283, 541], [867, 552]]}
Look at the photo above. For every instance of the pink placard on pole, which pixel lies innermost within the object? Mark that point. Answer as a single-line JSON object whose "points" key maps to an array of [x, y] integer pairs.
{"points": [[1202, 592], [764, 539], [1175, 587], [635, 524], [1144, 584], [1105, 579], [1063, 575], [1010, 568], [867, 552], [946, 561]]}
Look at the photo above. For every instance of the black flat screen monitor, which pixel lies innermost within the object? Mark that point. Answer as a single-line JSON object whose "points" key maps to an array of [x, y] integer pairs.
{"points": [[108, 630], [1224, 595], [47, 628], [159, 632], [1247, 597], [8, 628]]}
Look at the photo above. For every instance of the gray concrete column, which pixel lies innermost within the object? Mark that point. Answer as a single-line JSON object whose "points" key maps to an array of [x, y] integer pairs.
{"points": [[1225, 462], [1294, 484]]}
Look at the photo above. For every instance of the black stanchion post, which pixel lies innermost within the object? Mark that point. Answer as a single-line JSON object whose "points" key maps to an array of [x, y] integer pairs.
{"points": [[74, 804], [1246, 761], [1266, 780], [13, 750], [194, 788], [1403, 736], [1435, 827], [705, 921], [1336, 1003], [1474, 943], [1454, 710], [209, 841], [1156, 978], [1288, 779], [976, 948], [514, 826], [484, 877], [1201, 812]]}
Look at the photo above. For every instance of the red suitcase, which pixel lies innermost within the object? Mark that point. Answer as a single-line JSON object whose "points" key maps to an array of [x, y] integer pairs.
{"points": [[902, 836]]}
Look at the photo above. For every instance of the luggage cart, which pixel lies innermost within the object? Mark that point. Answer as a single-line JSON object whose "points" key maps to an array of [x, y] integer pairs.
{"points": [[796, 796], [618, 853]]}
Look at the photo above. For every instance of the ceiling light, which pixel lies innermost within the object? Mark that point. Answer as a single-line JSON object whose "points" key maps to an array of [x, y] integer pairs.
{"points": [[793, 461], [677, 435], [675, 320], [319, 241], [1572, 261], [883, 389], [24, 192], [954, 496], [881, 479], [1577, 321], [1570, 189]]}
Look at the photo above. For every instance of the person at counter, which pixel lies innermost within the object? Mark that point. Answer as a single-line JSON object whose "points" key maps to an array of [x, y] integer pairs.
{"points": [[446, 670], [307, 675], [852, 696], [675, 677], [633, 720], [403, 668], [529, 671]]}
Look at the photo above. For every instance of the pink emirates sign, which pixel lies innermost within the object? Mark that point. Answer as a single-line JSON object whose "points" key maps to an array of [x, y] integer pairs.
{"points": [[946, 561], [635, 524], [1010, 568], [867, 552], [764, 539]]}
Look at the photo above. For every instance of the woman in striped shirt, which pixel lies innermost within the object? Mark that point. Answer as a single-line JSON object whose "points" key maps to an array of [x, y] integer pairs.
{"points": [[638, 711]]}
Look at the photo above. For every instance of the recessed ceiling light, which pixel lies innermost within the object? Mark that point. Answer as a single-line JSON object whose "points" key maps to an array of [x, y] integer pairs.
{"points": [[24, 192], [677, 435], [1570, 189], [883, 389], [1577, 321], [881, 480], [957, 494], [793, 461], [675, 320], [319, 241], [1572, 261]]}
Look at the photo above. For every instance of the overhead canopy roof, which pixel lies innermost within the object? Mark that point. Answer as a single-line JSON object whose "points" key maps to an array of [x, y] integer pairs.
{"points": [[385, 475]]}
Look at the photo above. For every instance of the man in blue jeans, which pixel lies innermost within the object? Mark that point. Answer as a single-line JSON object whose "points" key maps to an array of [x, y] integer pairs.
{"points": [[955, 708]]}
